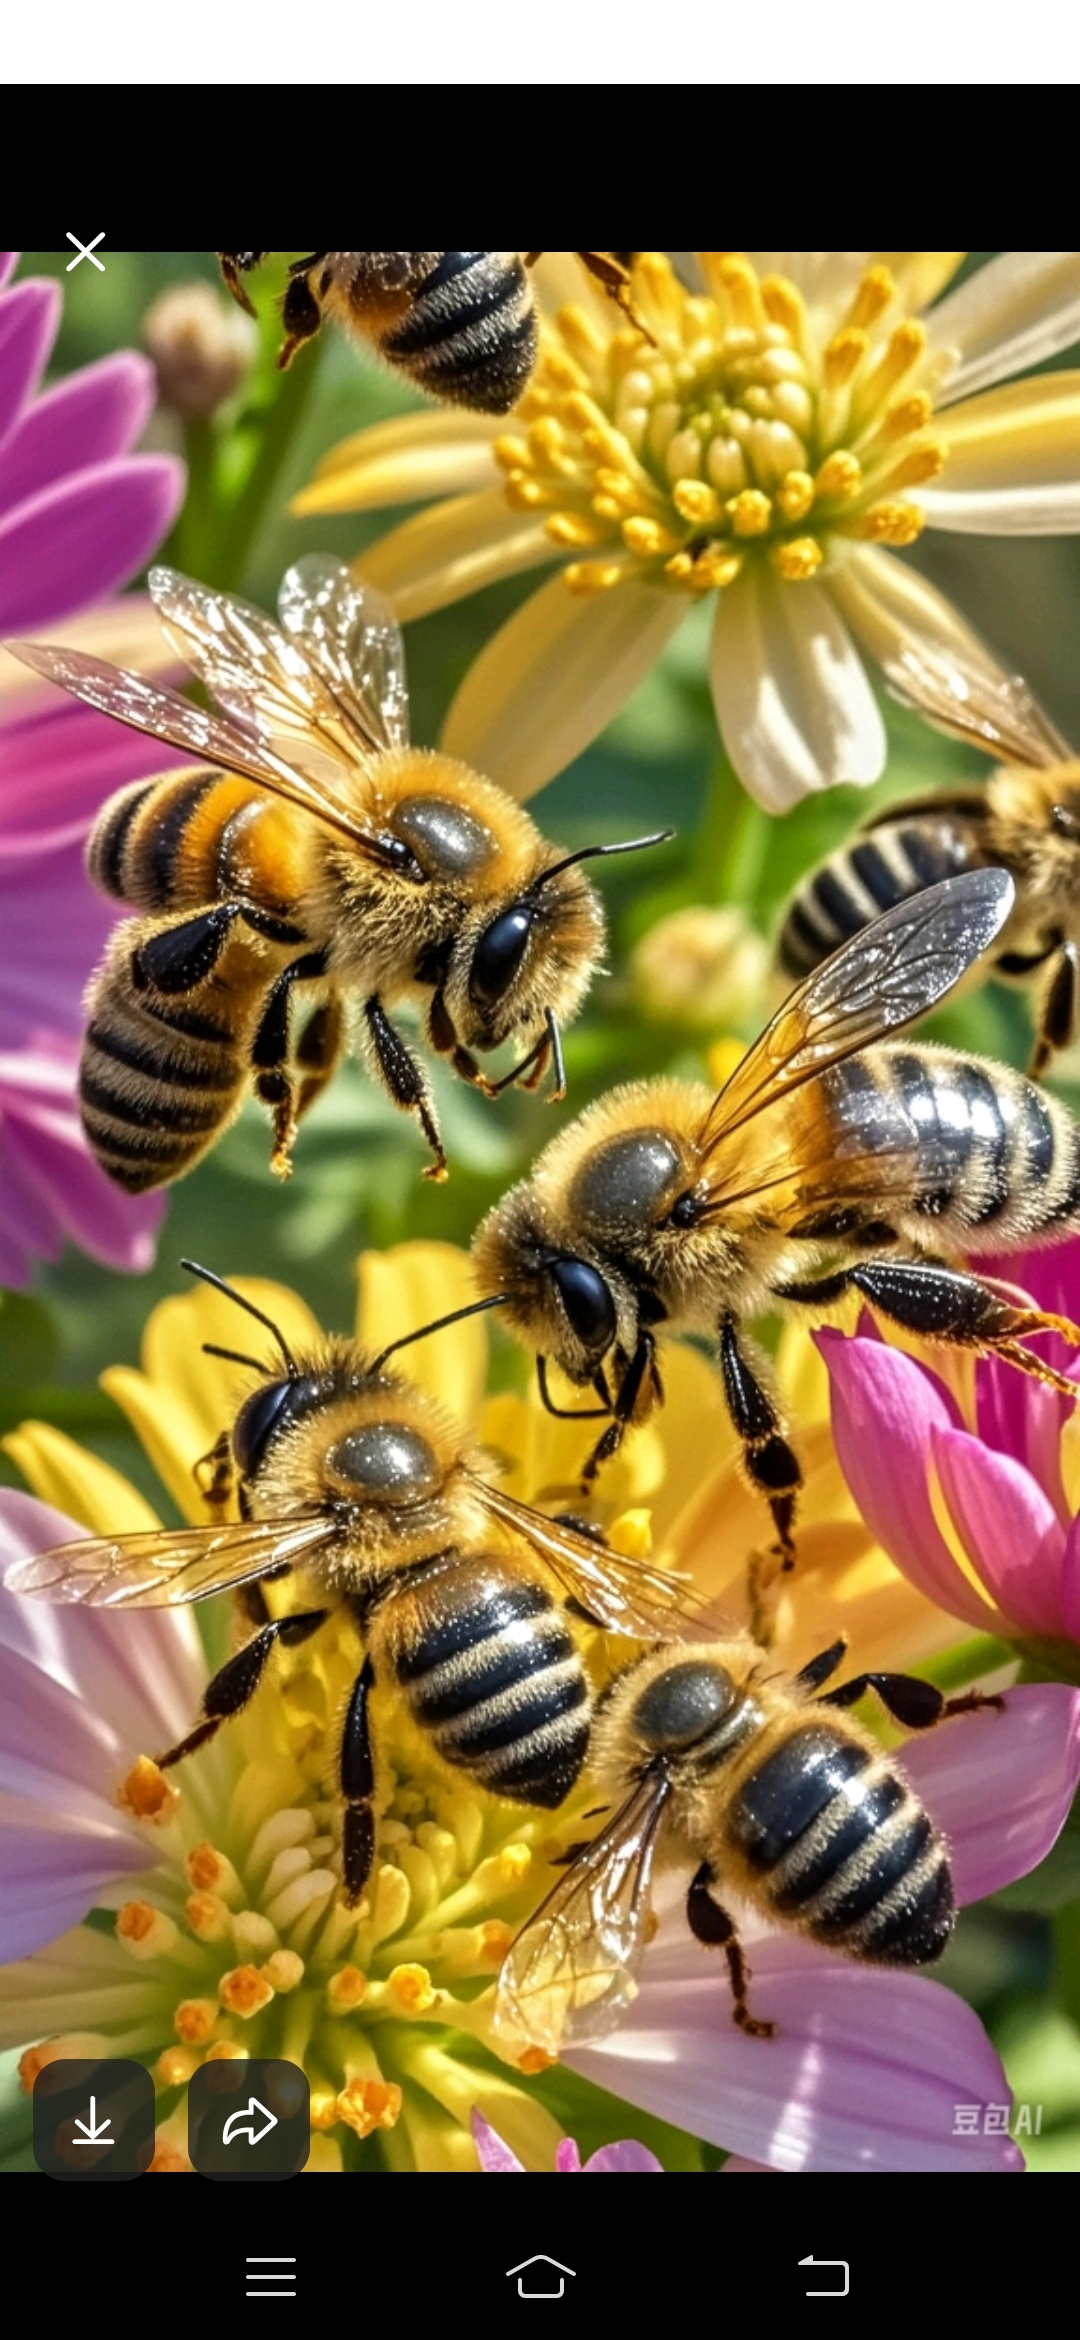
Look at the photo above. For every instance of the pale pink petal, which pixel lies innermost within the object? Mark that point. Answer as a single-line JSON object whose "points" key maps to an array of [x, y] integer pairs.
{"points": [[1000, 1784], [737, 2166], [55, 1870], [29, 316], [1017, 1415], [866, 2072], [1018, 310], [87, 418], [567, 2157], [1013, 461], [59, 765], [8, 263], [53, 929], [622, 2160], [793, 702], [1070, 1583], [1008, 1528], [553, 676], [883, 1409], [493, 2155], [83, 536], [53, 1181]]}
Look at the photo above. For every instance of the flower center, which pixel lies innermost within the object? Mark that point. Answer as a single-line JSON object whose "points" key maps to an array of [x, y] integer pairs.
{"points": [[740, 429]]}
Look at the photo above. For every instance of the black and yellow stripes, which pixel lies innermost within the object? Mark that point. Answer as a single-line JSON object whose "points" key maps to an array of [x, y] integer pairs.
{"points": [[856, 884], [192, 838], [469, 334]]}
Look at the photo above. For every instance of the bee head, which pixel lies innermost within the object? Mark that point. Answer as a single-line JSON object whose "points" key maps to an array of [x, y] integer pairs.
{"points": [[276, 1407], [559, 1301]]}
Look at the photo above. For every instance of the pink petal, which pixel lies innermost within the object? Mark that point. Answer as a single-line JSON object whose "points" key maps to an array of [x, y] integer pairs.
{"points": [[54, 1190], [494, 2156], [53, 929], [83, 537], [55, 1871], [1000, 1784], [621, 2160], [1070, 1583], [8, 264], [567, 2157], [1008, 1527], [29, 316], [866, 2072], [88, 418], [59, 766], [883, 1408], [736, 2166]]}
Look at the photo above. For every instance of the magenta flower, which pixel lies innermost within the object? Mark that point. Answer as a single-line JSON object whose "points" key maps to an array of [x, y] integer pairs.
{"points": [[1000, 1479], [79, 515], [611, 2161]]}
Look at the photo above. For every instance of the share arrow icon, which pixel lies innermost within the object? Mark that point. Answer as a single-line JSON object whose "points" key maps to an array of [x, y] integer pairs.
{"points": [[93, 2135], [242, 2124]]}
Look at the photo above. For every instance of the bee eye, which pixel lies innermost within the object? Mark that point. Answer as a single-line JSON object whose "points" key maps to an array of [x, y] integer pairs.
{"points": [[587, 1302], [499, 953], [256, 1422]]}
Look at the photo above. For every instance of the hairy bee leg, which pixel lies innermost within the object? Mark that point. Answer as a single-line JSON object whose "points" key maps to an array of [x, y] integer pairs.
{"points": [[270, 1055], [214, 1473], [945, 1304], [567, 1413], [625, 1400], [300, 311], [319, 1051], [770, 1463], [918, 1705], [402, 1078], [357, 1775], [238, 1679], [1059, 1016], [535, 1064], [181, 956], [711, 1925], [811, 1676], [614, 279]]}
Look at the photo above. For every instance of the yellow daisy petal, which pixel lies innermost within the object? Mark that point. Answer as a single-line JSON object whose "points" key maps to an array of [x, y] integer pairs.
{"points": [[74, 1481], [1013, 460], [1016, 312], [408, 1286], [412, 455], [453, 549], [920, 276]]}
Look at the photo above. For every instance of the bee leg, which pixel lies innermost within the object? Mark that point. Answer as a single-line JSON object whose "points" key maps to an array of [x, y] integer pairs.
{"points": [[918, 1705], [319, 1051], [945, 1304], [770, 1463], [396, 1067], [623, 1407], [811, 1676], [609, 270], [568, 1413], [357, 1774], [711, 1925], [214, 1474], [300, 311], [270, 1054], [229, 1690], [1059, 1014]]}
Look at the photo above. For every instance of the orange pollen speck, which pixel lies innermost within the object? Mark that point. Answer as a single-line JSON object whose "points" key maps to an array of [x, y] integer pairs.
{"points": [[136, 1921], [346, 1989], [194, 2020], [535, 2060], [411, 1990], [495, 1941], [208, 1916], [175, 2067], [146, 1792], [205, 1868], [244, 1991], [369, 2104]]}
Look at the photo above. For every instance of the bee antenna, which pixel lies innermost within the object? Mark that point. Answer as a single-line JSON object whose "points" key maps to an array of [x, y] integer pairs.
{"points": [[232, 1356], [600, 852], [475, 1308], [218, 1284]]}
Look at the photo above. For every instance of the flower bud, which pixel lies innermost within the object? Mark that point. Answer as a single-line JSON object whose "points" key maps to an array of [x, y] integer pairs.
{"points": [[202, 346], [700, 967]]}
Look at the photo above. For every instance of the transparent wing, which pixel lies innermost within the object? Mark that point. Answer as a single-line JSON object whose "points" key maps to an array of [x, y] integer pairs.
{"points": [[167, 1567], [264, 678], [623, 1595], [215, 739], [894, 970], [349, 633], [981, 704], [571, 1974]]}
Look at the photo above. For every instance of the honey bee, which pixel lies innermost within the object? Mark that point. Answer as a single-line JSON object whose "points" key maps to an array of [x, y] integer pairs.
{"points": [[460, 325], [664, 1206], [358, 1480], [321, 859], [1026, 820], [715, 1758]]}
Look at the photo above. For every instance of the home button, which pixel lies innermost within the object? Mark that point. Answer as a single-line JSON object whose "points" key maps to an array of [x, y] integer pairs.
{"points": [[541, 2277]]}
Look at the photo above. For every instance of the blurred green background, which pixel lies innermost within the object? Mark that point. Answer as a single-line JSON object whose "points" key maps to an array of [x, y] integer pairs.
{"points": [[357, 1166]]}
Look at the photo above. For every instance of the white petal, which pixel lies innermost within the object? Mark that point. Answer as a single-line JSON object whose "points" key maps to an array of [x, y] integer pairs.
{"points": [[1013, 462], [1013, 313], [551, 678], [826, 280], [793, 701], [453, 549], [929, 652], [399, 461]]}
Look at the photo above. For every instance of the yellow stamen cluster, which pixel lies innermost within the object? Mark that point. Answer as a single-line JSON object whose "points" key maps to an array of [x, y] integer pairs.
{"points": [[739, 429]]}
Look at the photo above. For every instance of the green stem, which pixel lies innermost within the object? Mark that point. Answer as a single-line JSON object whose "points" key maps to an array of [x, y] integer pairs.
{"points": [[228, 551], [1067, 1958], [956, 1667], [186, 545]]}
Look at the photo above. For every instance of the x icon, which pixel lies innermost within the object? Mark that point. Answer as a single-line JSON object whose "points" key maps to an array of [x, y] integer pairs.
{"points": [[85, 252]]}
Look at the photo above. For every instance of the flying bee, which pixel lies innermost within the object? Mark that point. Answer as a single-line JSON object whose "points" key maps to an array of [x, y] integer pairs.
{"points": [[460, 325], [1026, 820], [666, 1207], [714, 1758], [360, 1482], [320, 861]]}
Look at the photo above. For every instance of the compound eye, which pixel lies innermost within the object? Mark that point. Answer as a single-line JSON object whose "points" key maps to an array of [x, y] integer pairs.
{"points": [[256, 1422], [498, 955], [588, 1303]]}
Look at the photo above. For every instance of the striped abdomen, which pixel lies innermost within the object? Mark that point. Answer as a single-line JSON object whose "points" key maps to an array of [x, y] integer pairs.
{"points": [[198, 837], [469, 333], [490, 1671], [976, 1148], [841, 1847], [887, 865]]}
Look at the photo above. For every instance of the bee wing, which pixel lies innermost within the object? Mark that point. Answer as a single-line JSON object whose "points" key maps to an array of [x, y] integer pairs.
{"points": [[887, 975], [571, 1974], [168, 1566], [215, 739], [976, 702], [623, 1595], [351, 636]]}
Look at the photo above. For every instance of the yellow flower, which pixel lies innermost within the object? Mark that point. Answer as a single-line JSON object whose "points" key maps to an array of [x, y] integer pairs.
{"points": [[232, 1940], [784, 425]]}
